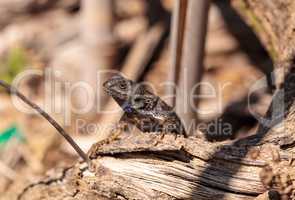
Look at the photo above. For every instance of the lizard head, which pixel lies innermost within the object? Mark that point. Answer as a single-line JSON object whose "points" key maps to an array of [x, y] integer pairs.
{"points": [[118, 87]]}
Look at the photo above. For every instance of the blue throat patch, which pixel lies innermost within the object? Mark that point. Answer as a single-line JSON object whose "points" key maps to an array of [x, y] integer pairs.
{"points": [[127, 108]]}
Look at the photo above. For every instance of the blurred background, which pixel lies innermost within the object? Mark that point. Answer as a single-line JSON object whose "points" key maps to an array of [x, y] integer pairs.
{"points": [[46, 46]]}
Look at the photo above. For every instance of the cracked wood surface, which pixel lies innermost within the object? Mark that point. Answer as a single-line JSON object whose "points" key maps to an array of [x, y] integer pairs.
{"points": [[273, 22], [147, 166]]}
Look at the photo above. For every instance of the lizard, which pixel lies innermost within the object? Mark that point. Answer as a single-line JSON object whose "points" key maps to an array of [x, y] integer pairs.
{"points": [[142, 108]]}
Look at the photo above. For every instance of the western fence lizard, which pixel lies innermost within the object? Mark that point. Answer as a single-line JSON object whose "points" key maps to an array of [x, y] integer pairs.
{"points": [[142, 108]]}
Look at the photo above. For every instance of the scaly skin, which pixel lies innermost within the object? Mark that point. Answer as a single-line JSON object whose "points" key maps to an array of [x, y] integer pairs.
{"points": [[142, 108]]}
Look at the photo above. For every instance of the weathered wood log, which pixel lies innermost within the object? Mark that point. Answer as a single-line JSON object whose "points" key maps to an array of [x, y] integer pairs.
{"points": [[147, 166], [273, 22]]}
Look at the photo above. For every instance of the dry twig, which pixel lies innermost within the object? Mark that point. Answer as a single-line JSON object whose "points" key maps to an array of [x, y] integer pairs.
{"points": [[14, 91]]}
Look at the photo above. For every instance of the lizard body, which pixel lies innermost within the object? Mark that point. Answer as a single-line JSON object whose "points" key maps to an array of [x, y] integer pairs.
{"points": [[142, 108]]}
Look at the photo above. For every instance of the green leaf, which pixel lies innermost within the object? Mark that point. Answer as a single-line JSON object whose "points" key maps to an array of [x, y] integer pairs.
{"points": [[10, 133]]}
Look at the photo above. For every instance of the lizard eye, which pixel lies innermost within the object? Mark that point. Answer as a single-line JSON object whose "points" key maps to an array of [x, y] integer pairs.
{"points": [[123, 86]]}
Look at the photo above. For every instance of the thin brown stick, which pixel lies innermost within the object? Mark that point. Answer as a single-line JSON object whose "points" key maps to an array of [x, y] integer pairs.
{"points": [[192, 60], [176, 45], [10, 89]]}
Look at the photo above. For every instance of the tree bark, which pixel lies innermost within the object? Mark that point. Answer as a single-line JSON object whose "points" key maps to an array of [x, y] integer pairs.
{"points": [[272, 20], [148, 166]]}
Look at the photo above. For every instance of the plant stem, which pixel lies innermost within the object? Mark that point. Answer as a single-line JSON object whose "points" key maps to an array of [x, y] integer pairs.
{"points": [[10, 89], [192, 61], [176, 45]]}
